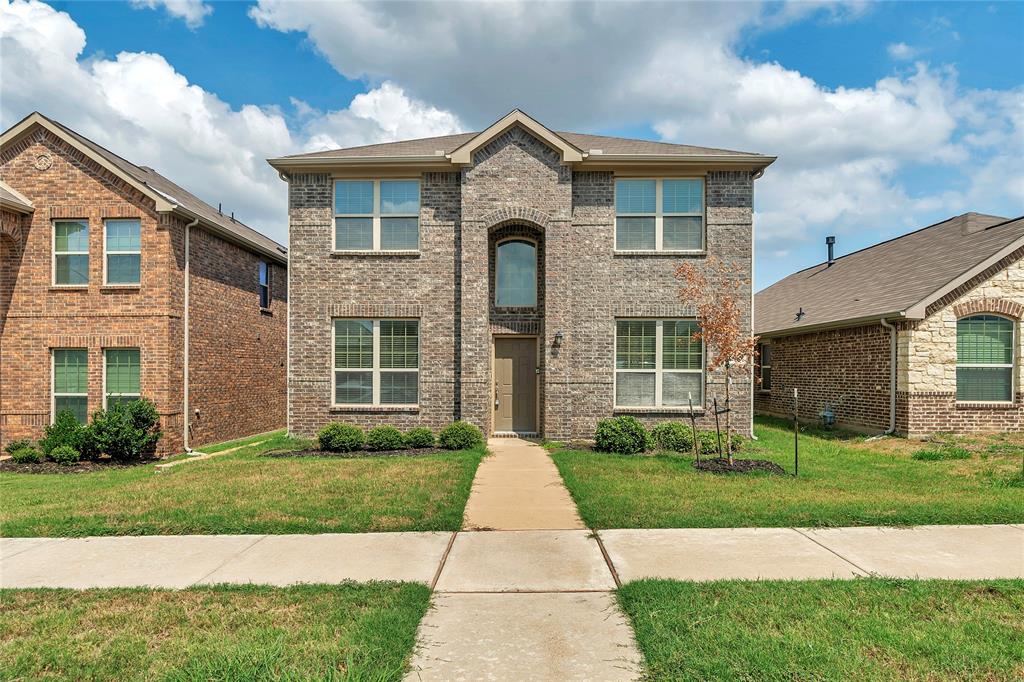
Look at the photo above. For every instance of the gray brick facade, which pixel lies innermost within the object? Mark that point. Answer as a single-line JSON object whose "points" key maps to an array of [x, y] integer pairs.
{"points": [[519, 186]]}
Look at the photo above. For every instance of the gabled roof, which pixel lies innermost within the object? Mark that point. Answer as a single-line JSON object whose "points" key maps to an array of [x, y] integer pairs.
{"points": [[168, 196], [896, 279], [14, 200], [576, 148]]}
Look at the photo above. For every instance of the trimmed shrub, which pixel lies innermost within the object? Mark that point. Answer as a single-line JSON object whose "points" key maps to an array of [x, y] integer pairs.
{"points": [[937, 454], [65, 454], [338, 437], [65, 430], [708, 442], [420, 437], [127, 431], [384, 438], [460, 435], [673, 436], [18, 445], [27, 454], [624, 435]]}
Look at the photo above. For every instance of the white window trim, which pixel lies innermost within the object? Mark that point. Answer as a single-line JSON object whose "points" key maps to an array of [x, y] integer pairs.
{"points": [[376, 216], [659, 371], [261, 285], [1011, 366], [107, 252], [53, 385], [121, 395], [536, 282], [54, 253], [760, 368], [659, 215], [376, 369]]}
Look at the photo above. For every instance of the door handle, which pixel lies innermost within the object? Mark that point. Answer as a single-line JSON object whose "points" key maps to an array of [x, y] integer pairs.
{"points": [[497, 400]]}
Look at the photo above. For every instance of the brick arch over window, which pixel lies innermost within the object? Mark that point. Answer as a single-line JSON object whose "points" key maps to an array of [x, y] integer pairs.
{"points": [[516, 214], [1000, 306]]}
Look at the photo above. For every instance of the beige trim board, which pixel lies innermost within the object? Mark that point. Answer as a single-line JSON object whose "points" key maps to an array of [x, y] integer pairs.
{"points": [[464, 154]]}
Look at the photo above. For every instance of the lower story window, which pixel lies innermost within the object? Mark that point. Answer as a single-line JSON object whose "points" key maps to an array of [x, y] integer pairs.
{"points": [[764, 367], [121, 376], [71, 382], [376, 362], [984, 358], [658, 363]]}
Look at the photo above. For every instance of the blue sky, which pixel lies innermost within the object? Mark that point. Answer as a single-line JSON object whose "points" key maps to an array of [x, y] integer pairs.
{"points": [[885, 117]]}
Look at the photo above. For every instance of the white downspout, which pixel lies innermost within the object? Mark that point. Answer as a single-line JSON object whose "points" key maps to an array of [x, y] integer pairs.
{"points": [[185, 409], [892, 376]]}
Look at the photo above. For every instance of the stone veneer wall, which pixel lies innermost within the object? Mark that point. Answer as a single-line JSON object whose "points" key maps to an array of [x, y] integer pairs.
{"points": [[515, 180]]}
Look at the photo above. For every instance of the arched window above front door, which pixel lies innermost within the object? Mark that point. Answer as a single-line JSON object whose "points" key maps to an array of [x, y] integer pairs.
{"points": [[516, 274]]}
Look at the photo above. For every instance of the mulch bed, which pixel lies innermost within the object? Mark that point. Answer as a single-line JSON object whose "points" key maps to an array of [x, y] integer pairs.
{"points": [[357, 454], [720, 465], [106, 464]]}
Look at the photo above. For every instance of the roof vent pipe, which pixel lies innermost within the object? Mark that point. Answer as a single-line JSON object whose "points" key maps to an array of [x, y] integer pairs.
{"points": [[830, 242]]}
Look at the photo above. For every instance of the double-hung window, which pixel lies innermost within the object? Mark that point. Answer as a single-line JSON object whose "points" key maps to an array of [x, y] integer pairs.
{"points": [[71, 382], [122, 251], [120, 376], [71, 252], [764, 367], [264, 275], [658, 363], [984, 359], [376, 362], [376, 215], [659, 215]]}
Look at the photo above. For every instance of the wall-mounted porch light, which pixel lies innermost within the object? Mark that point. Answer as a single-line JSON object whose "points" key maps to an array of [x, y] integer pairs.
{"points": [[559, 335]]}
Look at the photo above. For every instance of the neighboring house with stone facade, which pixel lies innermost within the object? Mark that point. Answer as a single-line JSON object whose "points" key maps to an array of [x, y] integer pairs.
{"points": [[518, 278], [117, 283], [919, 334]]}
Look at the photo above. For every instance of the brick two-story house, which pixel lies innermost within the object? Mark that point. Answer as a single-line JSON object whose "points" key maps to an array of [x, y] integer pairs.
{"points": [[117, 283], [518, 278], [916, 335]]}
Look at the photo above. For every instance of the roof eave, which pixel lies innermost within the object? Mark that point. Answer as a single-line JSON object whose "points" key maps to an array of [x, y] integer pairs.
{"points": [[835, 324], [16, 206], [463, 154], [279, 254], [754, 161]]}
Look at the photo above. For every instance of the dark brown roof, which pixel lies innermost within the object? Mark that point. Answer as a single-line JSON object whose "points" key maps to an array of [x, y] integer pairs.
{"points": [[887, 279], [429, 146], [182, 197]]}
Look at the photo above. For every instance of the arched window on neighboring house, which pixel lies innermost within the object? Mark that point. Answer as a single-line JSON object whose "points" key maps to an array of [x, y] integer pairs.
{"points": [[984, 358], [516, 274]]}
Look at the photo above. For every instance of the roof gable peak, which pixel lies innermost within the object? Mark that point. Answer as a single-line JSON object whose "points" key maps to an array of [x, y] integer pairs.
{"points": [[463, 154]]}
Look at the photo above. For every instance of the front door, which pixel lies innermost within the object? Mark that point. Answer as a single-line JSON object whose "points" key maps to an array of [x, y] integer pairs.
{"points": [[515, 385]]}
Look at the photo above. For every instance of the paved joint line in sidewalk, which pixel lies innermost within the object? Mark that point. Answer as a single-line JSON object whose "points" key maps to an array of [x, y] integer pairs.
{"points": [[607, 560], [232, 558], [859, 568], [444, 559]]}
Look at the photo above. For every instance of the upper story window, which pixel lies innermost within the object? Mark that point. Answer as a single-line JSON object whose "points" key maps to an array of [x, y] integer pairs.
{"points": [[516, 274], [121, 376], [658, 363], [764, 367], [376, 362], [264, 284], [984, 359], [659, 214], [71, 252], [71, 382], [122, 251], [376, 215]]}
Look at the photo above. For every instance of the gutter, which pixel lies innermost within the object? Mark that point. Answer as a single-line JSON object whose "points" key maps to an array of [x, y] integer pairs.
{"points": [[892, 376], [185, 408]]}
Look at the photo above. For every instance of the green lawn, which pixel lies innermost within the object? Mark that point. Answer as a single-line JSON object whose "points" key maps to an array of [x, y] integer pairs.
{"points": [[241, 492], [843, 482], [866, 629], [339, 632]]}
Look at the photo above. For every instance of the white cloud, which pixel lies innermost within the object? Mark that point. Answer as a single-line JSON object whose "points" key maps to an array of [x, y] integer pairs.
{"points": [[901, 51], [139, 106], [193, 12]]}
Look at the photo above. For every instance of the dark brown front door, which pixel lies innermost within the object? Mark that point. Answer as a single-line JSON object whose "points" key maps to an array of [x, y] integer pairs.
{"points": [[515, 385]]}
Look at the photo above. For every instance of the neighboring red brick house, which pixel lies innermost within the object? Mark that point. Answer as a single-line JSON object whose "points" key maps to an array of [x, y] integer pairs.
{"points": [[919, 334], [100, 296]]}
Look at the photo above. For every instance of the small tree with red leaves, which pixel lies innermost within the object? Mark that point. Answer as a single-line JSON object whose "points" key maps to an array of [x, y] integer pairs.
{"points": [[713, 291]]}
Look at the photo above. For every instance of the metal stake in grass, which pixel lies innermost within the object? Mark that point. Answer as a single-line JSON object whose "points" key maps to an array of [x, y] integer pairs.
{"points": [[693, 428], [796, 433]]}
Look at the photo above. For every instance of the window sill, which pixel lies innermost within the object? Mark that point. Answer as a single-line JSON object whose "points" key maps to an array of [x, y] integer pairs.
{"points": [[994, 405], [373, 408], [69, 287], [395, 253], [266, 311], [658, 410], [652, 252], [120, 287]]}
